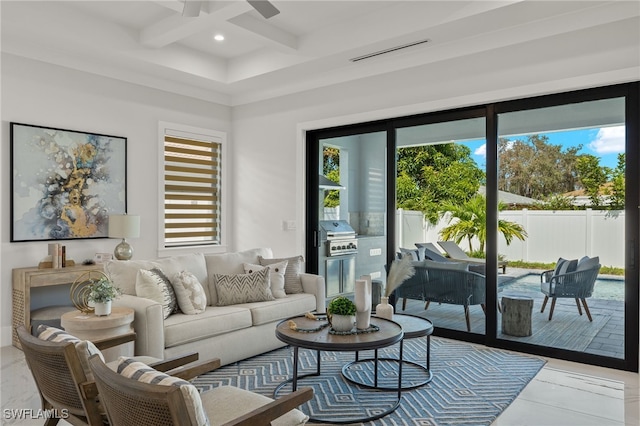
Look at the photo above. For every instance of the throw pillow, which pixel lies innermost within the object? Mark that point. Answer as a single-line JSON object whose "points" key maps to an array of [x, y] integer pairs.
{"points": [[292, 281], [565, 266], [413, 253], [153, 284], [131, 369], [587, 263], [243, 288], [84, 348], [276, 276], [189, 293]]}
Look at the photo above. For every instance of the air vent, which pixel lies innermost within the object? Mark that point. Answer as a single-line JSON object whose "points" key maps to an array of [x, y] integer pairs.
{"points": [[391, 49]]}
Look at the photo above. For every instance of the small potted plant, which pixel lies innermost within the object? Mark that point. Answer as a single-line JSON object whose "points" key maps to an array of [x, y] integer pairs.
{"points": [[342, 313], [101, 293]]}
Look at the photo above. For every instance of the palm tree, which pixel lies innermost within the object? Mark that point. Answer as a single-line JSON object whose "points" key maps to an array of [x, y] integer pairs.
{"points": [[472, 222]]}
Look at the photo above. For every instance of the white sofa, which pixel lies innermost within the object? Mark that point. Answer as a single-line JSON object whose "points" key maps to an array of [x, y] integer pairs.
{"points": [[230, 333]]}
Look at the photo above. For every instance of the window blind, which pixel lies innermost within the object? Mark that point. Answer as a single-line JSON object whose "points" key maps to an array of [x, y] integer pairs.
{"points": [[192, 191]]}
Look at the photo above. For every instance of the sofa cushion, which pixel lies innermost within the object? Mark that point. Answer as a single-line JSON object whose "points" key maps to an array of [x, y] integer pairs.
{"points": [[189, 292], [132, 369], [292, 282], [215, 320], [123, 273], [276, 276], [193, 263], [228, 264], [243, 288], [153, 284], [292, 305], [84, 348]]}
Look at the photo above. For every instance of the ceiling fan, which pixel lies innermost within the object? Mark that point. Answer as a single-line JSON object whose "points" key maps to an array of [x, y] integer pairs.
{"points": [[264, 7]]}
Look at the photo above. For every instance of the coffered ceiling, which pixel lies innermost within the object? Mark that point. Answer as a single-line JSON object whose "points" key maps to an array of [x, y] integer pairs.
{"points": [[309, 44]]}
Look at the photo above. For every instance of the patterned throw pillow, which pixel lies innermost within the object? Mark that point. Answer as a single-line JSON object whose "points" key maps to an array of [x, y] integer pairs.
{"points": [[243, 288], [292, 282], [276, 276], [131, 369], [153, 284], [84, 348], [190, 293]]}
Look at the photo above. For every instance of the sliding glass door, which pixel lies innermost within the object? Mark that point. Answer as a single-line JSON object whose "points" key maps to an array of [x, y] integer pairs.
{"points": [[561, 176], [535, 200], [440, 194]]}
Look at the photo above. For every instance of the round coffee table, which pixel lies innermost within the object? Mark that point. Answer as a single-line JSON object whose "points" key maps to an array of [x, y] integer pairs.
{"points": [[321, 339], [413, 328]]}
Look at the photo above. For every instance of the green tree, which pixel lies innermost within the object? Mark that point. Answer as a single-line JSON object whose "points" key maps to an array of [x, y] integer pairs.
{"points": [[331, 169], [593, 177], [618, 184], [431, 175], [469, 220], [535, 168], [555, 202]]}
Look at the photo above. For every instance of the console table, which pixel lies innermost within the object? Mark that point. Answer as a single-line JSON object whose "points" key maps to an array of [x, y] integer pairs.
{"points": [[24, 279]]}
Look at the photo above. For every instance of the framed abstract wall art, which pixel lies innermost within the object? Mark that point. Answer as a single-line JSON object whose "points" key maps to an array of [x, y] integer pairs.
{"points": [[65, 183]]}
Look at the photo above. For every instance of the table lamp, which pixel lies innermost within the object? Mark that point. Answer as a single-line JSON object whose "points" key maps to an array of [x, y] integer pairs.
{"points": [[124, 226]]}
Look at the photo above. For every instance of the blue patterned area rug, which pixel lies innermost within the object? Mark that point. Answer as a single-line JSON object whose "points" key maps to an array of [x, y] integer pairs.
{"points": [[471, 384]]}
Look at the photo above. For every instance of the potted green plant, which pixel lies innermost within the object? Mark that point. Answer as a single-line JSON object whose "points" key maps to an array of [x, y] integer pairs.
{"points": [[342, 313], [101, 293]]}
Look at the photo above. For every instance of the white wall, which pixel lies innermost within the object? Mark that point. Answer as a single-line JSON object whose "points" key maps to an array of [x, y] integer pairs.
{"points": [[41, 94]]}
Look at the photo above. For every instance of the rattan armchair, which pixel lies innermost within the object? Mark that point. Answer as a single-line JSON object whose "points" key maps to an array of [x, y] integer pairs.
{"points": [[64, 386], [132, 402]]}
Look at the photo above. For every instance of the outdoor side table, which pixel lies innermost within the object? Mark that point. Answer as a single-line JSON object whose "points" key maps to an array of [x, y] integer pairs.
{"points": [[516, 315]]}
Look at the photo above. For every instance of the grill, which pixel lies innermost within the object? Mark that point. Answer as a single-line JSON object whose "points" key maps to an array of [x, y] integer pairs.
{"points": [[340, 237]]}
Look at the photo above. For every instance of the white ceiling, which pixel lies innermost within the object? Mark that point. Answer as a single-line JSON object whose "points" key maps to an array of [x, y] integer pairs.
{"points": [[308, 45]]}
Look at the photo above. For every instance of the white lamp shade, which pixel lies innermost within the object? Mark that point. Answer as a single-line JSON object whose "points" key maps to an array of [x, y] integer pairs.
{"points": [[124, 226]]}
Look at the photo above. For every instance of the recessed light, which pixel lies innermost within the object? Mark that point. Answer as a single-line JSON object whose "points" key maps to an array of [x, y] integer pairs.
{"points": [[218, 37]]}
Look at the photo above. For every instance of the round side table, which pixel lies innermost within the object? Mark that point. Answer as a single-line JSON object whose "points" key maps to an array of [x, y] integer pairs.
{"points": [[92, 327]]}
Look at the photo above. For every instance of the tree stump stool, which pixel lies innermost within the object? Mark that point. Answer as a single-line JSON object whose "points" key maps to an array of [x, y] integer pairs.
{"points": [[516, 315]]}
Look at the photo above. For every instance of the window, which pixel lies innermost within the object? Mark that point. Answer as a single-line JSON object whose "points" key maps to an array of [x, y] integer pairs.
{"points": [[192, 186]]}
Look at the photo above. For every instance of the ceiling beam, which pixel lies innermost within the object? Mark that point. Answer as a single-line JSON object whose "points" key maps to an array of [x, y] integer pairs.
{"points": [[266, 33], [177, 27]]}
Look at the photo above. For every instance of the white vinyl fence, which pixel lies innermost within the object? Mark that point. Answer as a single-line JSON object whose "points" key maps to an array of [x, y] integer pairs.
{"points": [[551, 234]]}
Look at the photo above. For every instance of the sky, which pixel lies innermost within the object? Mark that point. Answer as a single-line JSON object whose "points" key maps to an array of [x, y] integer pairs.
{"points": [[605, 143]]}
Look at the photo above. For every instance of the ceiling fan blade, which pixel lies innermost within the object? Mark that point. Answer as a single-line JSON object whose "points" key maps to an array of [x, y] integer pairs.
{"points": [[191, 8], [264, 7]]}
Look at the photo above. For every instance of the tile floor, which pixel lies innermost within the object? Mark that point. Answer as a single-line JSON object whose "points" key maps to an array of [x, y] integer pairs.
{"points": [[562, 394]]}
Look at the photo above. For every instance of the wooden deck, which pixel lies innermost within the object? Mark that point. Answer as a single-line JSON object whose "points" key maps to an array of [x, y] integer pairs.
{"points": [[567, 330]]}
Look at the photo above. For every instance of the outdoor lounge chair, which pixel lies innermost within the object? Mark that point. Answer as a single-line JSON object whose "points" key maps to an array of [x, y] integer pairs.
{"points": [[455, 252], [431, 252], [577, 284]]}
